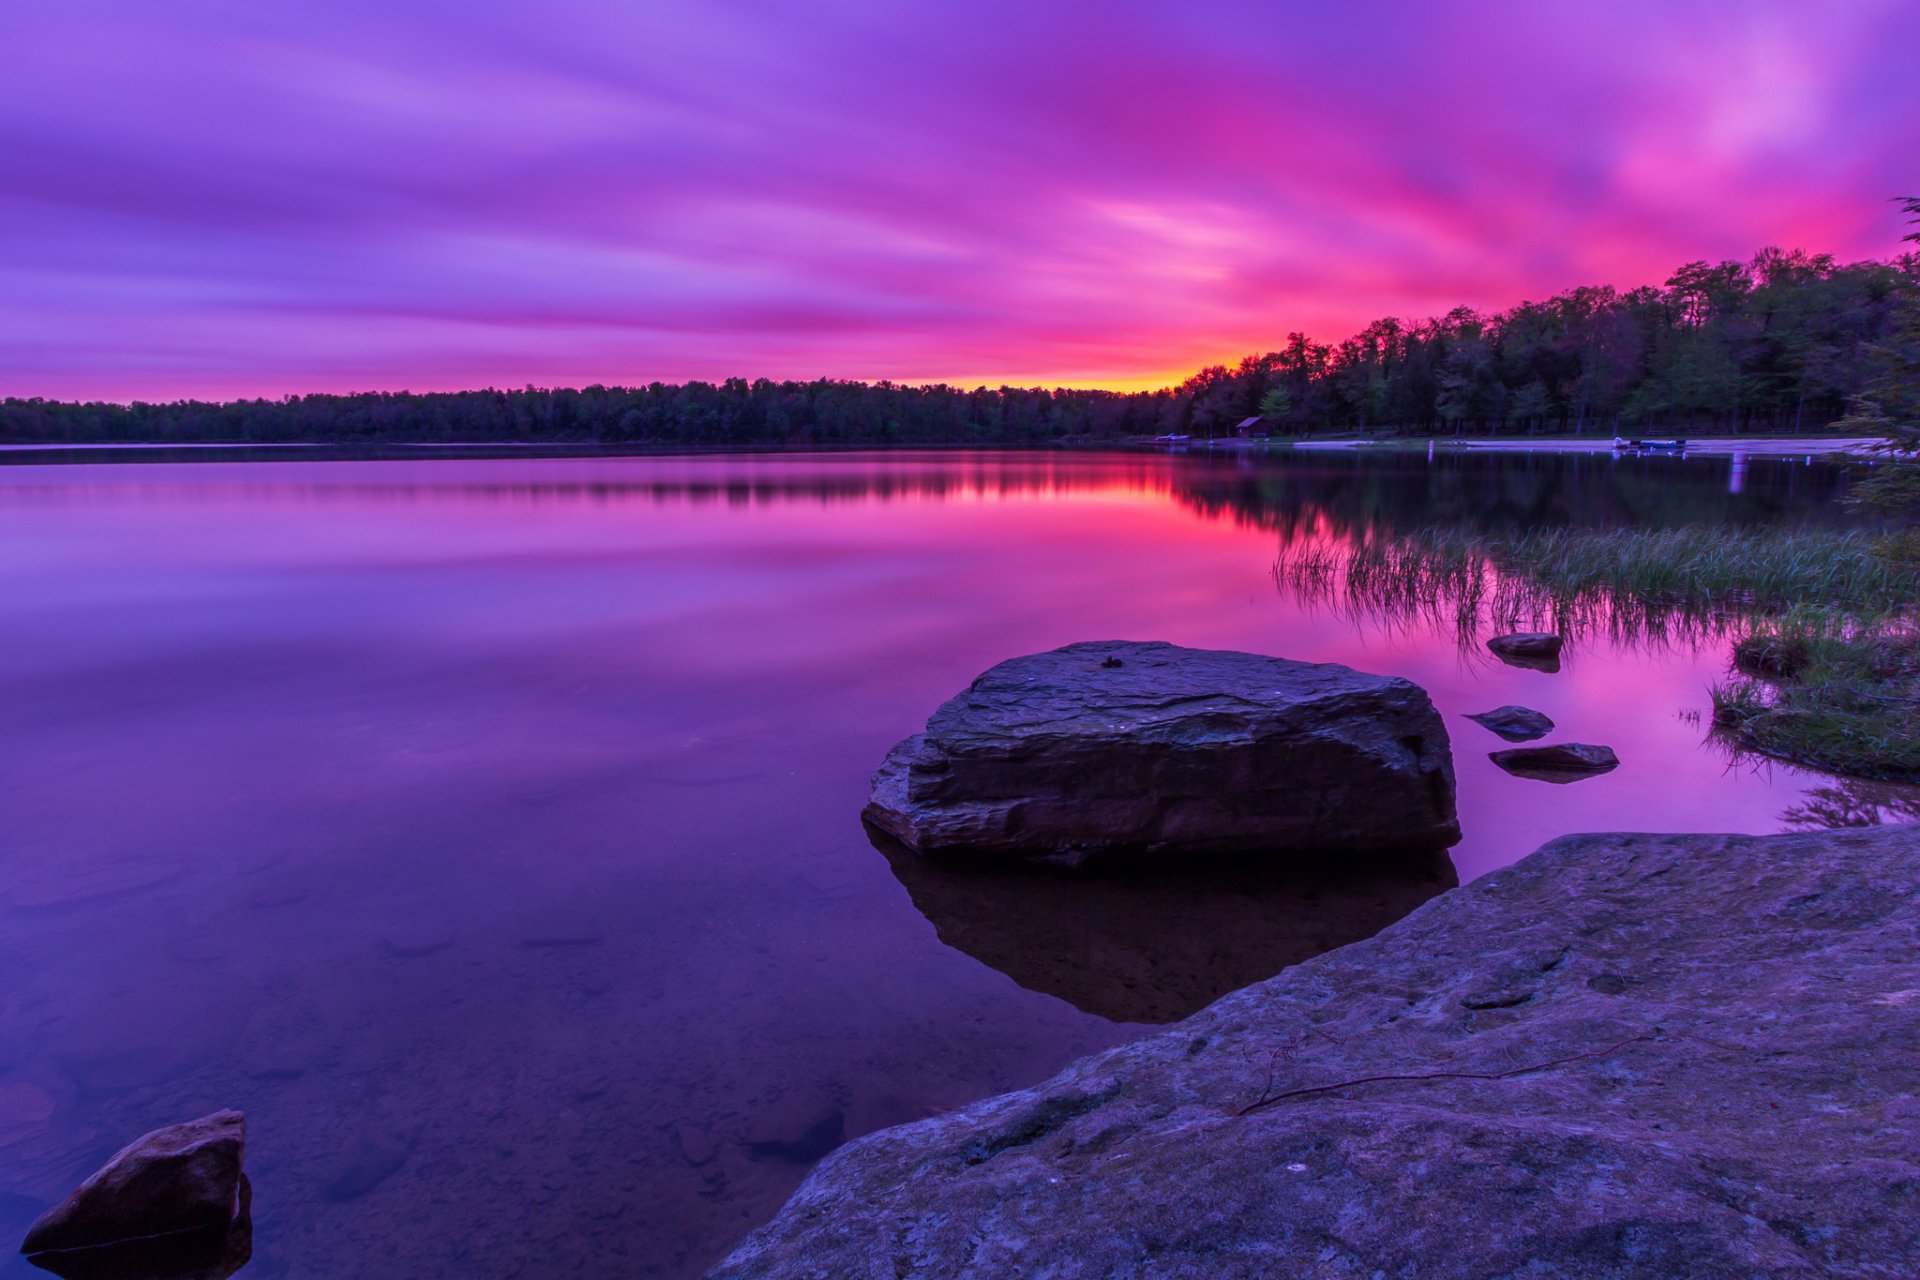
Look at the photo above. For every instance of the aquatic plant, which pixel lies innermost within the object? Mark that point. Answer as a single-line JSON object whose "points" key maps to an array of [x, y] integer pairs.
{"points": [[1834, 694], [1691, 582], [1825, 665]]}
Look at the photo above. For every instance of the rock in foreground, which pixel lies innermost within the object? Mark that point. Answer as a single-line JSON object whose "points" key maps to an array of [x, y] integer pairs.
{"points": [[1117, 746], [174, 1202], [1625, 1056]]}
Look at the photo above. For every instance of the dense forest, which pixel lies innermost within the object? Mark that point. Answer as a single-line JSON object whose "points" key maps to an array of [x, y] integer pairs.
{"points": [[1787, 342]]}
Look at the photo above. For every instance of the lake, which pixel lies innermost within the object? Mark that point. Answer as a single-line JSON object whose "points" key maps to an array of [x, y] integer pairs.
{"points": [[487, 828]]}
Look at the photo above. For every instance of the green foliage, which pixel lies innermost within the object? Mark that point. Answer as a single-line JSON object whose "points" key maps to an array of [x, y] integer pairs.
{"points": [[1785, 342], [1888, 405], [1826, 661], [1627, 581], [1849, 702]]}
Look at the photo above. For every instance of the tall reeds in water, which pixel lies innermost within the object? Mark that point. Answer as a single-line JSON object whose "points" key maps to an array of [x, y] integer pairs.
{"points": [[1827, 668]]}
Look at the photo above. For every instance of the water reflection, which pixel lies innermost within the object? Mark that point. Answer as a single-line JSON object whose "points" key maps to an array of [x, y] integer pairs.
{"points": [[1852, 802], [186, 1255], [1298, 494], [1155, 944], [486, 825]]}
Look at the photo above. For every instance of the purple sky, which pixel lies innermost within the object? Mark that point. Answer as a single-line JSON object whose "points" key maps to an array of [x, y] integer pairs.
{"points": [[241, 199]]}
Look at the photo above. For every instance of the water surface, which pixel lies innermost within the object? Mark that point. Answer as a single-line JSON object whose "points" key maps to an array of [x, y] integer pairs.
{"points": [[487, 828]]}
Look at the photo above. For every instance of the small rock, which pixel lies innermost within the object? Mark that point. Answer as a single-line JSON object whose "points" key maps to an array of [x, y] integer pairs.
{"points": [[1515, 724], [815, 1141], [695, 1148], [1562, 762], [185, 1178], [370, 1161], [1527, 644]]}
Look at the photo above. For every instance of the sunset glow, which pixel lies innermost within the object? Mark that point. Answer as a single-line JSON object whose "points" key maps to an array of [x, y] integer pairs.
{"points": [[224, 200]]}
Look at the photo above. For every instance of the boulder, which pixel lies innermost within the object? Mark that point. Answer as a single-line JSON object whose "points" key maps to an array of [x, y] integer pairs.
{"points": [[1561, 762], [1527, 644], [1122, 747], [172, 1191], [1591, 1063], [1515, 724]]}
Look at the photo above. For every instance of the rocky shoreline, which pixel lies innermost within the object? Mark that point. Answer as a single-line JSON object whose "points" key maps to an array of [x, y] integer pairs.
{"points": [[1625, 1055]]}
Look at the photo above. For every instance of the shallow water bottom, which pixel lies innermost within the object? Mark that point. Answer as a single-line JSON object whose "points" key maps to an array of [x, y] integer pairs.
{"points": [[488, 830]]}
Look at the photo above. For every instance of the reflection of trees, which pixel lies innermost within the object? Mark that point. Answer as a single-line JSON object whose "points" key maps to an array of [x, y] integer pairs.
{"points": [[1853, 802], [1361, 492]]}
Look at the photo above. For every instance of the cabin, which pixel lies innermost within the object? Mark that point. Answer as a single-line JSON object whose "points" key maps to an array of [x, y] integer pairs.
{"points": [[1249, 428]]}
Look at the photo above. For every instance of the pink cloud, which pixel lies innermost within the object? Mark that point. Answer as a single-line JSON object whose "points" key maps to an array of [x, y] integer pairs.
{"points": [[225, 199]]}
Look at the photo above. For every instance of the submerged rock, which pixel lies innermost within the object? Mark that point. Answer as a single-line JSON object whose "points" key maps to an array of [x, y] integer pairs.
{"points": [[1157, 943], [372, 1158], [1592, 1063], [1116, 746], [1515, 724], [173, 1203], [827, 1131], [1561, 762]]}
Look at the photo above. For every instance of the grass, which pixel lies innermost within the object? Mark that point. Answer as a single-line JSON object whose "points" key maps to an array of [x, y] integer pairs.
{"points": [[1822, 623], [1820, 689], [1629, 582]]}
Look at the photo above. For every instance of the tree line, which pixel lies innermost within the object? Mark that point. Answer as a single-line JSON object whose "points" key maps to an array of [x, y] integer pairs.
{"points": [[1787, 342]]}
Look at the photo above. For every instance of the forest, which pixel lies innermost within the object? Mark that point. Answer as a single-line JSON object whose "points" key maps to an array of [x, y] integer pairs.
{"points": [[1786, 342]]}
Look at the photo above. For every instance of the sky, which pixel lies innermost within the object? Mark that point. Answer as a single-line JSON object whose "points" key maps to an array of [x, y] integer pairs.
{"points": [[222, 200]]}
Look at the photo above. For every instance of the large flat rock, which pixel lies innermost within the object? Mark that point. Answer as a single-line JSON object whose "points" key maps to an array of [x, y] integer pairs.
{"points": [[1625, 1056], [1145, 747]]}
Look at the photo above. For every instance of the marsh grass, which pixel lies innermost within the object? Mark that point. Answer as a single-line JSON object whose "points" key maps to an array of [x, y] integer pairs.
{"points": [[1689, 584], [1826, 659], [1847, 697]]}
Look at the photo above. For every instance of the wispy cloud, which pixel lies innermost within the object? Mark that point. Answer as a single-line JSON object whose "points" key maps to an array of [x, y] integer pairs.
{"points": [[237, 199]]}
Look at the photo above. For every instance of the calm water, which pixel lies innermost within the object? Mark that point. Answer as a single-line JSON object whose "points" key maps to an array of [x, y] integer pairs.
{"points": [[487, 829]]}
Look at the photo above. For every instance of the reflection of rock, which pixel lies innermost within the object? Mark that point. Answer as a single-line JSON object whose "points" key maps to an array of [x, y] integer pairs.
{"points": [[1112, 745], [1591, 1063], [1562, 762], [1153, 944], [1515, 724], [191, 1255], [175, 1204]]}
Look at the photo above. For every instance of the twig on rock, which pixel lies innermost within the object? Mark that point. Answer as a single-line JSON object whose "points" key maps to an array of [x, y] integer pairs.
{"points": [[1269, 1099]]}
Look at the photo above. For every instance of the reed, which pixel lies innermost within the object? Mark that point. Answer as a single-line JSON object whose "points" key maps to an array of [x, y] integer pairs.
{"points": [[1641, 583], [1826, 657], [1824, 690]]}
